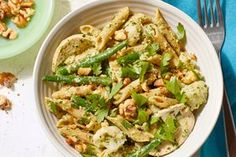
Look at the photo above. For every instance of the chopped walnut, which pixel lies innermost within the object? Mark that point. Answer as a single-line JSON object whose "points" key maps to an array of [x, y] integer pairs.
{"points": [[120, 35], [7, 79], [128, 109], [70, 141], [81, 147], [193, 57], [126, 81], [179, 74], [164, 91], [27, 4], [16, 1], [19, 20], [84, 71], [189, 77], [3, 27], [2, 14], [5, 104], [159, 83], [15, 7], [27, 13], [9, 34], [145, 86], [4, 10]]}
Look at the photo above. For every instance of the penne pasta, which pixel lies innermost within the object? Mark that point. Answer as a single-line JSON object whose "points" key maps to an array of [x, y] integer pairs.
{"points": [[110, 28], [167, 32]]}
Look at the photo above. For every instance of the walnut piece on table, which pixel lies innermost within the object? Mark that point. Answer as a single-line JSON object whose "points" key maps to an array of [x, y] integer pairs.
{"points": [[5, 104], [7, 79]]}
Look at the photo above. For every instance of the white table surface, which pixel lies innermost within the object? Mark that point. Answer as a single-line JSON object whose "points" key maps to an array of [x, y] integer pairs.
{"points": [[21, 134]]}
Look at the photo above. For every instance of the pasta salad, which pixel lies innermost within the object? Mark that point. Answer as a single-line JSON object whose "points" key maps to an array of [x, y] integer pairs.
{"points": [[129, 89]]}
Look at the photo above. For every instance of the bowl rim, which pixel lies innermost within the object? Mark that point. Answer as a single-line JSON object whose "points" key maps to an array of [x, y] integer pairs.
{"points": [[37, 37], [92, 4]]}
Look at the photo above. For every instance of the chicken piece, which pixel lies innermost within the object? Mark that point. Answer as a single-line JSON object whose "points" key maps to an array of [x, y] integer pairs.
{"points": [[111, 138], [72, 45], [172, 110]]}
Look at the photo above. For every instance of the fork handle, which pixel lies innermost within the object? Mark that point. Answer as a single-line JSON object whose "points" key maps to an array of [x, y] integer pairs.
{"points": [[229, 127]]}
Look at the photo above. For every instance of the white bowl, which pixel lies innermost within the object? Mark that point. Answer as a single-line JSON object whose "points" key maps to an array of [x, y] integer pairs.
{"points": [[97, 13]]}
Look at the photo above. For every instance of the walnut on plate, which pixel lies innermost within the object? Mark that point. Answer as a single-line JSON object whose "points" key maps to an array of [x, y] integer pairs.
{"points": [[9, 34], [20, 12]]}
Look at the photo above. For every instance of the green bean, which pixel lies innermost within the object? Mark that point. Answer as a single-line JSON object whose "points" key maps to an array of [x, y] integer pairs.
{"points": [[129, 58], [146, 149], [78, 80], [65, 70]]}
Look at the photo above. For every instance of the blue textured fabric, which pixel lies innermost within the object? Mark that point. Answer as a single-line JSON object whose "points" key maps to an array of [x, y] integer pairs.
{"points": [[215, 144]]}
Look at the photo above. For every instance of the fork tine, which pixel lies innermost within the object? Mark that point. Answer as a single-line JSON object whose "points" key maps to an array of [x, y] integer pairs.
{"points": [[199, 13], [212, 14], [205, 13], [219, 12]]}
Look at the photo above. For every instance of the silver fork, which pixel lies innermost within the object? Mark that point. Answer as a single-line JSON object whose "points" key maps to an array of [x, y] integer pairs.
{"points": [[213, 25]]}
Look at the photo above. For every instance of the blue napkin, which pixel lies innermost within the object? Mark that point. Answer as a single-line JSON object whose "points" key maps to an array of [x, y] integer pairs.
{"points": [[215, 144]]}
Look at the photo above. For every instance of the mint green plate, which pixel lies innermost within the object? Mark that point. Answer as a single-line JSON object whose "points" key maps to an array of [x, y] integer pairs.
{"points": [[29, 35]]}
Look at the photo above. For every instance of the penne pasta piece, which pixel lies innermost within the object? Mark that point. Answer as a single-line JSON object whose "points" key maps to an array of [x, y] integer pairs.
{"points": [[67, 119], [110, 28], [162, 101], [66, 106], [166, 47], [69, 131], [68, 91], [125, 92], [89, 30], [167, 32]]}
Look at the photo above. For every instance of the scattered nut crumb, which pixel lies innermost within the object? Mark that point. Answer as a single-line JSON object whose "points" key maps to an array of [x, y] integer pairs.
{"points": [[7, 79], [5, 104]]}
